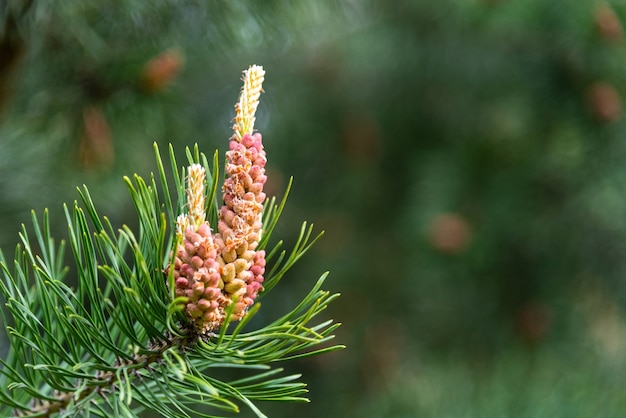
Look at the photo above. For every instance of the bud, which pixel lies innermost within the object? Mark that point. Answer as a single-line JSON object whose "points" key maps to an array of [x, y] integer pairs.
{"points": [[196, 266], [450, 233], [161, 70], [240, 219], [604, 102], [215, 270], [248, 101], [608, 24]]}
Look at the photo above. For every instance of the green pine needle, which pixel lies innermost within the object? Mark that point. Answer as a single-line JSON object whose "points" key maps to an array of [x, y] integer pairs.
{"points": [[116, 342]]}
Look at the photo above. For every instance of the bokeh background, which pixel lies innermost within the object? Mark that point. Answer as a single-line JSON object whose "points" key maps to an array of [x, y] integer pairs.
{"points": [[466, 158]]}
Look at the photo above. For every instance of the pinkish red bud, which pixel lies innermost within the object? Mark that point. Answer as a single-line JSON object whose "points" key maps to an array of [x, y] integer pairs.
{"points": [[201, 250], [197, 289], [212, 293], [182, 283], [257, 270], [204, 304], [252, 154], [190, 249], [196, 262], [255, 172], [228, 199], [192, 237], [246, 180], [247, 141], [186, 270], [204, 230], [259, 258], [236, 146], [222, 227], [227, 215], [213, 280], [256, 188]]}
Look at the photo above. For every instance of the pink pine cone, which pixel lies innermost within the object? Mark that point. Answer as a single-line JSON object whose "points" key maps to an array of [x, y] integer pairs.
{"points": [[198, 278], [215, 271], [243, 192]]}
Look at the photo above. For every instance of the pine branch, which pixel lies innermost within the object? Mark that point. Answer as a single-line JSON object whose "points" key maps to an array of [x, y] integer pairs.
{"points": [[107, 379], [124, 338]]}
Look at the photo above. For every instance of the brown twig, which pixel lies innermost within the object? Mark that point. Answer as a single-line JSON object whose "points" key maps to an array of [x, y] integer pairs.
{"points": [[108, 379]]}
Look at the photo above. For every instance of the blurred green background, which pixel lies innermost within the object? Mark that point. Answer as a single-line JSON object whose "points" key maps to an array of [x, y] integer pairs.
{"points": [[466, 158]]}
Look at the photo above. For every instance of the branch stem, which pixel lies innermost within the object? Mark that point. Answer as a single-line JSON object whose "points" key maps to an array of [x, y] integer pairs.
{"points": [[111, 378]]}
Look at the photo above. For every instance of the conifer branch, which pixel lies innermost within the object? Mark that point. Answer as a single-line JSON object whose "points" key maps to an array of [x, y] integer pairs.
{"points": [[155, 312], [107, 379]]}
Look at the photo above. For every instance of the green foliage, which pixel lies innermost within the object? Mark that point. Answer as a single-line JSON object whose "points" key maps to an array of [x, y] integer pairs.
{"points": [[511, 384], [116, 343], [389, 115]]}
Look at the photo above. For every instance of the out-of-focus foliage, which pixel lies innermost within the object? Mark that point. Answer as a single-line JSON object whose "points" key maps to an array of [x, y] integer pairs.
{"points": [[466, 159]]}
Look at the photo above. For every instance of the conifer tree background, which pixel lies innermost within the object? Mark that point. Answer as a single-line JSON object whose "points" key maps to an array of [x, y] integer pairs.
{"points": [[467, 160]]}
